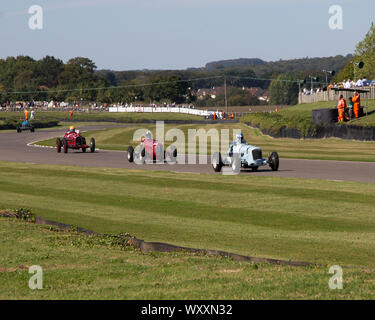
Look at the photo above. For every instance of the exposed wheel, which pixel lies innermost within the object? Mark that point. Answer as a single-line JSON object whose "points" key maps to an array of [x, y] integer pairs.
{"points": [[65, 146], [32, 129], [273, 161], [172, 154], [130, 154], [92, 145], [58, 145], [19, 129], [236, 163], [217, 163], [142, 155], [254, 168]]}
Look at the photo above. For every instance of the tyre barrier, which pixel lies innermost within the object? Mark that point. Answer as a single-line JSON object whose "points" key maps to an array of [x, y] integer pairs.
{"points": [[328, 115], [145, 247], [342, 131]]}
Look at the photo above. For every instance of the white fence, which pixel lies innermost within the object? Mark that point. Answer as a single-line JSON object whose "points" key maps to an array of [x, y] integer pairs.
{"points": [[160, 109]]}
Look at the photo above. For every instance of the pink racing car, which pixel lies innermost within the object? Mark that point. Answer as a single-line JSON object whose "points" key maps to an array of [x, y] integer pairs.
{"points": [[151, 150]]}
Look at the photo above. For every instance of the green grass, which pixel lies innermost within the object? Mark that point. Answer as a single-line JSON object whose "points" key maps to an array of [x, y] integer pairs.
{"points": [[101, 116], [323, 149], [76, 266], [300, 117], [310, 220], [305, 109]]}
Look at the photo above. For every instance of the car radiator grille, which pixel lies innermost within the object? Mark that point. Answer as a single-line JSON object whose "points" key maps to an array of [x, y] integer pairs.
{"points": [[257, 154], [79, 141]]}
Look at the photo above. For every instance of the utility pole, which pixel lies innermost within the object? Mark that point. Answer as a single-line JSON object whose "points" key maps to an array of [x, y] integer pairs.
{"points": [[225, 95]]}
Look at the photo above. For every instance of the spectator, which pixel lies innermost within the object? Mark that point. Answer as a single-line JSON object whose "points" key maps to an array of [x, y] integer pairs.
{"points": [[350, 108], [357, 102], [359, 83], [341, 108], [364, 82]]}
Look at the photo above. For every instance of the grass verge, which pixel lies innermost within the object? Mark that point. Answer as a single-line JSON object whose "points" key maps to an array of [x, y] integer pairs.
{"points": [[77, 266], [324, 222]]}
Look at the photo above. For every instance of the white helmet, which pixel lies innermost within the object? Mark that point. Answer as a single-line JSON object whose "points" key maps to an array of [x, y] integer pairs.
{"points": [[239, 137]]}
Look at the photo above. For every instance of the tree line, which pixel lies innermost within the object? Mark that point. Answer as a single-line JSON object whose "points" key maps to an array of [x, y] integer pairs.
{"points": [[23, 79]]}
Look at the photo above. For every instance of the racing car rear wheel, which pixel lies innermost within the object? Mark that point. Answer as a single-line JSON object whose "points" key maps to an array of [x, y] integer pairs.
{"points": [[217, 163], [273, 161], [130, 154], [19, 129], [58, 145], [65, 146], [32, 129], [254, 168], [92, 145]]}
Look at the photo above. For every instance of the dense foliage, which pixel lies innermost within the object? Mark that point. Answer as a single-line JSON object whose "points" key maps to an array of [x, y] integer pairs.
{"points": [[365, 52], [284, 91], [23, 78]]}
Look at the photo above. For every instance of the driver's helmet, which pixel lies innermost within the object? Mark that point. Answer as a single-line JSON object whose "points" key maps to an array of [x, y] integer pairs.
{"points": [[239, 137], [72, 128], [148, 135]]}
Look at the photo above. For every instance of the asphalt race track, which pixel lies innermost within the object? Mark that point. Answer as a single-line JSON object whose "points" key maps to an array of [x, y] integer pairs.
{"points": [[14, 147]]}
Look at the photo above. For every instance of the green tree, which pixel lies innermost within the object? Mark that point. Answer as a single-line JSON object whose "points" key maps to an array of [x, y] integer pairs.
{"points": [[284, 90], [365, 51]]}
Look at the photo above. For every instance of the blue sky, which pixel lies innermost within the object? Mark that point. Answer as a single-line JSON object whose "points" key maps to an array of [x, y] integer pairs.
{"points": [[176, 34]]}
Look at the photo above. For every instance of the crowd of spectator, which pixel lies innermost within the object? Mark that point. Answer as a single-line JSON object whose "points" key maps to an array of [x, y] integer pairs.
{"points": [[346, 84], [81, 107]]}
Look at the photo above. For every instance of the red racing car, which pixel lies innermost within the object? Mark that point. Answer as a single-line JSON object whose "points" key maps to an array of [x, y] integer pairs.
{"points": [[151, 150], [74, 140]]}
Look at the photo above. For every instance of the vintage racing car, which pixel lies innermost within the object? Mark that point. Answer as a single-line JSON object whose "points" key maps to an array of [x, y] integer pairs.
{"points": [[73, 140], [25, 125], [151, 150], [242, 155]]}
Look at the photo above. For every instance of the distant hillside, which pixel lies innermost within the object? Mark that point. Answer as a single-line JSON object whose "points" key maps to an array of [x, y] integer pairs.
{"points": [[245, 68], [242, 62], [292, 66]]}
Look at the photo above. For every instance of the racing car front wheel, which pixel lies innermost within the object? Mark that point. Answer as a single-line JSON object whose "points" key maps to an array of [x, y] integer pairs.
{"points": [[92, 145], [130, 154], [142, 156], [273, 161], [172, 154], [58, 145], [65, 146], [217, 163]]}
